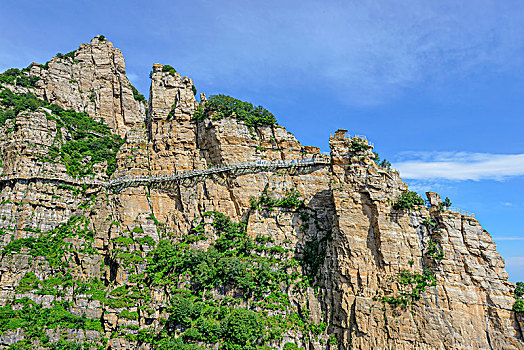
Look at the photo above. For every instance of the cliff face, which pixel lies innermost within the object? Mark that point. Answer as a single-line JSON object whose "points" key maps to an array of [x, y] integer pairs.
{"points": [[91, 79], [310, 257]]}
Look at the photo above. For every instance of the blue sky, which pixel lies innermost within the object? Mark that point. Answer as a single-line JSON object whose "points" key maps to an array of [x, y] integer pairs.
{"points": [[438, 86]]}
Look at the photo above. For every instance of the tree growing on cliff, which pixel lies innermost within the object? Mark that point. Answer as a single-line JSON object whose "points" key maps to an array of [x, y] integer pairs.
{"points": [[519, 302], [408, 200], [220, 106]]}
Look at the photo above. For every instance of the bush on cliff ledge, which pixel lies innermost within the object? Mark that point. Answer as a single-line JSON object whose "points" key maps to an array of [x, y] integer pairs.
{"points": [[89, 142], [519, 302], [219, 106], [408, 200], [14, 76]]}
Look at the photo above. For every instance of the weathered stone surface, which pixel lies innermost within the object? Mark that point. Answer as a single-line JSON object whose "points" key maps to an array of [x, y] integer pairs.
{"points": [[348, 211], [94, 82]]}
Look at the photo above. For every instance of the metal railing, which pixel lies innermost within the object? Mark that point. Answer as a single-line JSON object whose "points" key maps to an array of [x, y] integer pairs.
{"points": [[261, 164], [52, 178], [462, 212], [158, 178]]}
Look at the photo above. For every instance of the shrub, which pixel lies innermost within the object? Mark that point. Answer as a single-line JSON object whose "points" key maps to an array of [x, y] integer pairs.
{"points": [[70, 54], [412, 284], [89, 138], [429, 222], [292, 200], [434, 251], [519, 305], [183, 310], [290, 346], [28, 282], [169, 69], [220, 106], [242, 327], [102, 38], [359, 145], [519, 289], [20, 102], [519, 302], [14, 76], [194, 89], [446, 203], [138, 230], [130, 315], [408, 200], [332, 340], [137, 95], [383, 164]]}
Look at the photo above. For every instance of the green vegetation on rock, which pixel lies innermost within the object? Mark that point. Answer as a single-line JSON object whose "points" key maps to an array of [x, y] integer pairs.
{"points": [[15, 103], [519, 293], [359, 145], [245, 320], [381, 163], [51, 245], [445, 204], [14, 76], [34, 320], [91, 142], [220, 106], [137, 95], [291, 200], [167, 68], [412, 284], [408, 200]]}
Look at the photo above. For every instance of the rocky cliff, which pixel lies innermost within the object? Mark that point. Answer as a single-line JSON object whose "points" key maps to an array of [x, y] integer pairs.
{"points": [[313, 256]]}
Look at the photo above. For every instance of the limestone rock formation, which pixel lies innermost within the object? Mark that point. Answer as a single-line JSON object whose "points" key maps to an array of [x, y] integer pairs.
{"points": [[92, 79], [317, 256]]}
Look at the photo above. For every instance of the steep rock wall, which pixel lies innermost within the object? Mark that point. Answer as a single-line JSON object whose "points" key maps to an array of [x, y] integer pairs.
{"points": [[89, 252]]}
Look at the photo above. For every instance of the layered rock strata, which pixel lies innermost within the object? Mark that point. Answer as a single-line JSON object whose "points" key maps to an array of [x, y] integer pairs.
{"points": [[92, 257]]}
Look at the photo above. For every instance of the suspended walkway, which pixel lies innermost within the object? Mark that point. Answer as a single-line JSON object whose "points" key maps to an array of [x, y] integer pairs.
{"points": [[43, 178], [177, 177], [243, 167]]}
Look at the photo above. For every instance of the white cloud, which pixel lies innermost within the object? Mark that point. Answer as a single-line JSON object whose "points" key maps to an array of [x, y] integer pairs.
{"points": [[364, 51], [516, 261], [508, 238], [460, 166], [422, 186], [133, 77]]}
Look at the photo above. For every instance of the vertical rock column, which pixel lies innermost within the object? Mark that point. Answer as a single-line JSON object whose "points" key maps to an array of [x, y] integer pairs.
{"points": [[170, 129], [92, 81]]}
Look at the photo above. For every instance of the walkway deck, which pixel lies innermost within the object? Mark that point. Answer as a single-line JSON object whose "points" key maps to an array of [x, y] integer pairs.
{"points": [[139, 180], [261, 165]]}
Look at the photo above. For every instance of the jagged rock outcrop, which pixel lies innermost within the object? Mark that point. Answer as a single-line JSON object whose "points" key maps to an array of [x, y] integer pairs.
{"points": [[92, 80], [313, 257]]}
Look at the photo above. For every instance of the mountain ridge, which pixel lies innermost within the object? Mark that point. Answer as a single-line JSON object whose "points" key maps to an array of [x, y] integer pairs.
{"points": [[322, 257]]}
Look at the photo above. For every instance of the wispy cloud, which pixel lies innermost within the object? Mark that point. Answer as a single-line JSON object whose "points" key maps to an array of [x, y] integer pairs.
{"points": [[421, 186], [460, 166], [133, 77], [516, 261], [508, 238], [364, 51]]}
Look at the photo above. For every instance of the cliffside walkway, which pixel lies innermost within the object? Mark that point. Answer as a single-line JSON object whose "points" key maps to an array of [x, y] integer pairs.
{"points": [[43, 178], [139, 180], [261, 165]]}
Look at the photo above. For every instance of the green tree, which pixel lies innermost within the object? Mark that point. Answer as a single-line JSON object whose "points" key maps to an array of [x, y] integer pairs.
{"points": [[408, 200], [242, 329]]}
